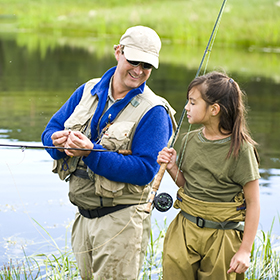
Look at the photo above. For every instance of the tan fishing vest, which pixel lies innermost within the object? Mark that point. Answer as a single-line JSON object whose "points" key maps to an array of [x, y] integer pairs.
{"points": [[98, 190]]}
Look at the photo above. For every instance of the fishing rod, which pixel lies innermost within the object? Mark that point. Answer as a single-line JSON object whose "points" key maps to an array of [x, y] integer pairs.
{"points": [[123, 152], [164, 201]]}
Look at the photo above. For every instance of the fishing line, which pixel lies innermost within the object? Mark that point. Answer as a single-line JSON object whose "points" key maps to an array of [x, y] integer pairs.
{"points": [[53, 244], [117, 234], [163, 166], [216, 27], [183, 151], [23, 147], [174, 137], [207, 53], [208, 50], [21, 200]]}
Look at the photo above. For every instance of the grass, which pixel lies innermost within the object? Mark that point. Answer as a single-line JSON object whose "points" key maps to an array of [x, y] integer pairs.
{"points": [[265, 261], [152, 263], [59, 265], [184, 26], [244, 23]]}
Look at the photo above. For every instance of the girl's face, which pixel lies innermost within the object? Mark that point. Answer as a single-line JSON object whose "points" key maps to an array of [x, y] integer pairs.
{"points": [[197, 110]]}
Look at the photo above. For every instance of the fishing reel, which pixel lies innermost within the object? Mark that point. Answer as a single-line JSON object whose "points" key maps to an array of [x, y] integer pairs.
{"points": [[163, 202]]}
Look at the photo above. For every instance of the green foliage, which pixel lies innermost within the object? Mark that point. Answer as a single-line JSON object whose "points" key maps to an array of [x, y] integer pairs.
{"points": [[55, 266], [18, 271], [265, 260], [58, 265], [153, 258], [244, 23]]}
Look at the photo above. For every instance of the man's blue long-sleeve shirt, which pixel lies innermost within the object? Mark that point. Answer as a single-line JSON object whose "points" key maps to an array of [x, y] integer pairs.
{"points": [[151, 136]]}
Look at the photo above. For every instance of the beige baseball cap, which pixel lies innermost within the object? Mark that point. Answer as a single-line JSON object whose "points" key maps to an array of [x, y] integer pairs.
{"points": [[141, 44]]}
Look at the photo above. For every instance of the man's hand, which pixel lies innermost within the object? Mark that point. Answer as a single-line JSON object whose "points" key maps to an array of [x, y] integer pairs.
{"points": [[59, 138], [78, 140]]}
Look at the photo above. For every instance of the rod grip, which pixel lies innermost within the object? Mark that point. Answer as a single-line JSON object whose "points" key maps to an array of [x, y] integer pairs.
{"points": [[125, 152], [155, 186]]}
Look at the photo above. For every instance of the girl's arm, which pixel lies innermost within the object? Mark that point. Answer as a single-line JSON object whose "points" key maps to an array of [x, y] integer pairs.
{"points": [[168, 155], [241, 260]]}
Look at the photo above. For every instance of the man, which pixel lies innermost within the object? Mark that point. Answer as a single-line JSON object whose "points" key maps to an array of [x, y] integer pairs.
{"points": [[117, 112]]}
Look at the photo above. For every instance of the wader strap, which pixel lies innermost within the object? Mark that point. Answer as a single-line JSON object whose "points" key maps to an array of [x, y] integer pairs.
{"points": [[200, 222], [100, 212]]}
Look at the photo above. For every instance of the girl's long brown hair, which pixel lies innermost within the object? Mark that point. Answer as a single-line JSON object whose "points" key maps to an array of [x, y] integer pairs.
{"points": [[216, 87]]}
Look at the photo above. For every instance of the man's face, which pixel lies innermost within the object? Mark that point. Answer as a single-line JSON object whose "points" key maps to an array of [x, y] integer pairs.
{"points": [[128, 76]]}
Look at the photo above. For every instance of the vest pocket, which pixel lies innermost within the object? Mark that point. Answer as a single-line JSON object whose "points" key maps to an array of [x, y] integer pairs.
{"points": [[107, 188], [65, 166], [117, 136], [135, 188]]}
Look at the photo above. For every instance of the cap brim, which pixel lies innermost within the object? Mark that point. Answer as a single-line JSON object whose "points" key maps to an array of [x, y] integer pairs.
{"points": [[137, 55]]}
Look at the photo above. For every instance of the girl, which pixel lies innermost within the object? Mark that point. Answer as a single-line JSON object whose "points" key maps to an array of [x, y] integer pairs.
{"points": [[217, 173]]}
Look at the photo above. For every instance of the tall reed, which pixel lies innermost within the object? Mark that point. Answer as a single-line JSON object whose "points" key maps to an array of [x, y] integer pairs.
{"points": [[265, 260]]}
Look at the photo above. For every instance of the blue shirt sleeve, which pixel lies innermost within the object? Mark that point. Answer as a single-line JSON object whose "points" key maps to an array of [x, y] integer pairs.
{"points": [[151, 136]]}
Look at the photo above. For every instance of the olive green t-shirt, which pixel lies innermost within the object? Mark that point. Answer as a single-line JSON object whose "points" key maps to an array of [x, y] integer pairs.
{"points": [[209, 174]]}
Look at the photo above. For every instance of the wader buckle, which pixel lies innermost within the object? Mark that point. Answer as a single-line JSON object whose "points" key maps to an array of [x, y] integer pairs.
{"points": [[200, 222]]}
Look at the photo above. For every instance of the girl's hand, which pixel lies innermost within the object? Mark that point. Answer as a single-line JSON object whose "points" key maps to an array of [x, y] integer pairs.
{"points": [[167, 155], [78, 140], [240, 262]]}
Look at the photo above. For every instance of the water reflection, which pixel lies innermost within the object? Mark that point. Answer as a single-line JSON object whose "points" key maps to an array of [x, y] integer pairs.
{"points": [[37, 76], [32, 198]]}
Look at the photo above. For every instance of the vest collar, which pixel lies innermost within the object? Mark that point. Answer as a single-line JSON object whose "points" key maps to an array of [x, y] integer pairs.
{"points": [[101, 90]]}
